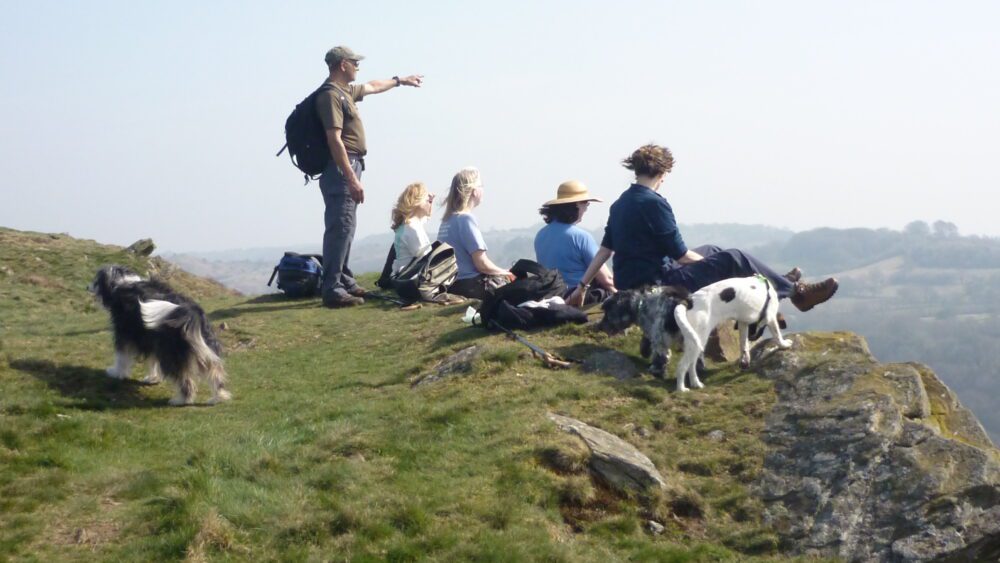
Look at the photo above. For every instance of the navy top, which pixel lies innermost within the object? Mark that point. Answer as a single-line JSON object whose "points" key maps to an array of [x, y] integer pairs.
{"points": [[643, 234]]}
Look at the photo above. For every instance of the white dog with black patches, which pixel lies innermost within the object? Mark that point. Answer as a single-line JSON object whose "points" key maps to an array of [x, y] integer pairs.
{"points": [[751, 302], [151, 320]]}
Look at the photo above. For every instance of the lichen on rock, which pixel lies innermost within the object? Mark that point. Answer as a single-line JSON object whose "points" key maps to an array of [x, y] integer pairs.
{"points": [[874, 462]]}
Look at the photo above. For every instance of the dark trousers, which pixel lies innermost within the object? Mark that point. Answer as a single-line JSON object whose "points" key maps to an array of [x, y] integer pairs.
{"points": [[722, 264], [477, 287], [340, 218]]}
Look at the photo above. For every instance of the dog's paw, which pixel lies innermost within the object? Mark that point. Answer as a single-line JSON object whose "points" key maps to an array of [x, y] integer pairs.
{"points": [[698, 385], [744, 362], [682, 389], [784, 343], [113, 373], [179, 402], [221, 397], [151, 380]]}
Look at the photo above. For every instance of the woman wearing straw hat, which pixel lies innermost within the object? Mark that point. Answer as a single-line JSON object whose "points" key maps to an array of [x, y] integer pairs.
{"points": [[459, 228], [562, 245]]}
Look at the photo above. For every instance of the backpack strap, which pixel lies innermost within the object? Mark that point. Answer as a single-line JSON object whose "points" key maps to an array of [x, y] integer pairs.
{"points": [[384, 279], [524, 267]]}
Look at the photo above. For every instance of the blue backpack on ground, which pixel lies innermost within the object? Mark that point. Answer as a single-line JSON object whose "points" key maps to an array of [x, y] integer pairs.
{"points": [[299, 275]]}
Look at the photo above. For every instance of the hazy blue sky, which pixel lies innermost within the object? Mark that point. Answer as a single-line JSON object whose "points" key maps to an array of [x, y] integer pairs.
{"points": [[124, 120]]}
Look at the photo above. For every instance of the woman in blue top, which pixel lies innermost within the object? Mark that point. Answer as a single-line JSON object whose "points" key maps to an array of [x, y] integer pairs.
{"points": [[459, 228], [561, 245], [642, 235]]}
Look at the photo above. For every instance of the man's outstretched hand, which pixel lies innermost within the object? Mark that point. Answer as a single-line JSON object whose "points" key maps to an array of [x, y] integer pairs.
{"points": [[414, 80]]}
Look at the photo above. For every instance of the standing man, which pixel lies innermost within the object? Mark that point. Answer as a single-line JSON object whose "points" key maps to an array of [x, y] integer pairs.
{"points": [[340, 182]]}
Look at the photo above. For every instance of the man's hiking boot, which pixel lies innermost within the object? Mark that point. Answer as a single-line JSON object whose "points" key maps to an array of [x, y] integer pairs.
{"points": [[805, 296], [794, 275], [338, 301], [358, 291]]}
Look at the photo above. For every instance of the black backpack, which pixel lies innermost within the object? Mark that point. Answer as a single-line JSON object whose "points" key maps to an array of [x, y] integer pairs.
{"points": [[299, 275], [534, 282], [305, 137]]}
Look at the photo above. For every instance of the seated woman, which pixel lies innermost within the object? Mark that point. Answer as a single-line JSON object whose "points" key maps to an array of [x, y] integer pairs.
{"points": [[642, 235], [409, 216], [561, 245], [459, 228]]}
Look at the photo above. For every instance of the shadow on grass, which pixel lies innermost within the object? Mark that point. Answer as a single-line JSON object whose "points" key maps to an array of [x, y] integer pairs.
{"points": [[460, 335], [247, 307], [84, 332], [90, 388], [581, 350]]}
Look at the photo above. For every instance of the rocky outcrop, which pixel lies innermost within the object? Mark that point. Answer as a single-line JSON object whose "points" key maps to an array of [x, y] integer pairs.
{"points": [[874, 462], [614, 460], [456, 365]]}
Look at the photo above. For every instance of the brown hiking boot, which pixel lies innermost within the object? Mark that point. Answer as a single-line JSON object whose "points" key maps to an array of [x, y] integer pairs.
{"points": [[358, 291], [794, 275], [805, 296], [338, 301]]}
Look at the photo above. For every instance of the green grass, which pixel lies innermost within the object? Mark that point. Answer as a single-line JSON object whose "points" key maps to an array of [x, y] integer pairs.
{"points": [[326, 452]]}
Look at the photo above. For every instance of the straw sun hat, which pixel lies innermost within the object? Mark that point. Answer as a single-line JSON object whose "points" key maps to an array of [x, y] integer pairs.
{"points": [[572, 191]]}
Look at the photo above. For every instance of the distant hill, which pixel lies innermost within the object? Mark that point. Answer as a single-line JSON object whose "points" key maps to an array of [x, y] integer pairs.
{"points": [[248, 269]]}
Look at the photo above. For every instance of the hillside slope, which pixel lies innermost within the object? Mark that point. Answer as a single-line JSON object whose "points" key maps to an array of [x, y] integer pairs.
{"points": [[328, 452]]}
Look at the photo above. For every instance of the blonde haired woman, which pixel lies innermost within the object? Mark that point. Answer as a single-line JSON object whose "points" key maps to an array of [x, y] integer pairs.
{"points": [[409, 217], [459, 228]]}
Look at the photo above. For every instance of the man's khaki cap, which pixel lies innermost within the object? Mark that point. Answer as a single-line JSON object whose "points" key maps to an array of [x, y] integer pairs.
{"points": [[340, 53], [572, 191]]}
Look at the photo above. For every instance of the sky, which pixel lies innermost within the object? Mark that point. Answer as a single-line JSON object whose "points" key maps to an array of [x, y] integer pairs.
{"points": [[125, 120]]}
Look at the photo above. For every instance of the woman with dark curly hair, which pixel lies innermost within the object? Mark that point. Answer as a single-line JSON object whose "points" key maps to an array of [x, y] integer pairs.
{"points": [[562, 245], [643, 237]]}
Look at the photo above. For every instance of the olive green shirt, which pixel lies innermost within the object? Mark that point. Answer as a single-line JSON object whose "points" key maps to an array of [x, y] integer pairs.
{"points": [[331, 113]]}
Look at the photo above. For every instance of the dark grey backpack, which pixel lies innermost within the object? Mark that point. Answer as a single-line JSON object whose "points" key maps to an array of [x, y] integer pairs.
{"points": [[426, 277]]}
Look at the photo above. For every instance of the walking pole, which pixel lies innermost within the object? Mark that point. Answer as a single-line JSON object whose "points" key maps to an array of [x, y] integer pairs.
{"points": [[385, 298], [547, 358]]}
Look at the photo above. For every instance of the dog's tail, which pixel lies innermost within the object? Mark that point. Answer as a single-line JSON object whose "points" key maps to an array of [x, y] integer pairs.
{"points": [[680, 315], [191, 321]]}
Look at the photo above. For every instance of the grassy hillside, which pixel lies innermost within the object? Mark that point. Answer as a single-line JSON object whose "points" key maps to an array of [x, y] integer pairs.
{"points": [[326, 452]]}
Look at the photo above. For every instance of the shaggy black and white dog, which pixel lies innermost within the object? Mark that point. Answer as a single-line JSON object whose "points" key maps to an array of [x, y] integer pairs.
{"points": [[652, 308], [150, 320]]}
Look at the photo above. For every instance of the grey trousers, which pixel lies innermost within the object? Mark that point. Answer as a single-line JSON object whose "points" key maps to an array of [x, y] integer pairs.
{"points": [[340, 218]]}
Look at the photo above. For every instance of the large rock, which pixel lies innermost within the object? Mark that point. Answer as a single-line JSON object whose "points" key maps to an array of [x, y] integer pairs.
{"points": [[723, 344], [611, 362], [616, 461], [874, 462], [142, 247], [458, 364]]}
